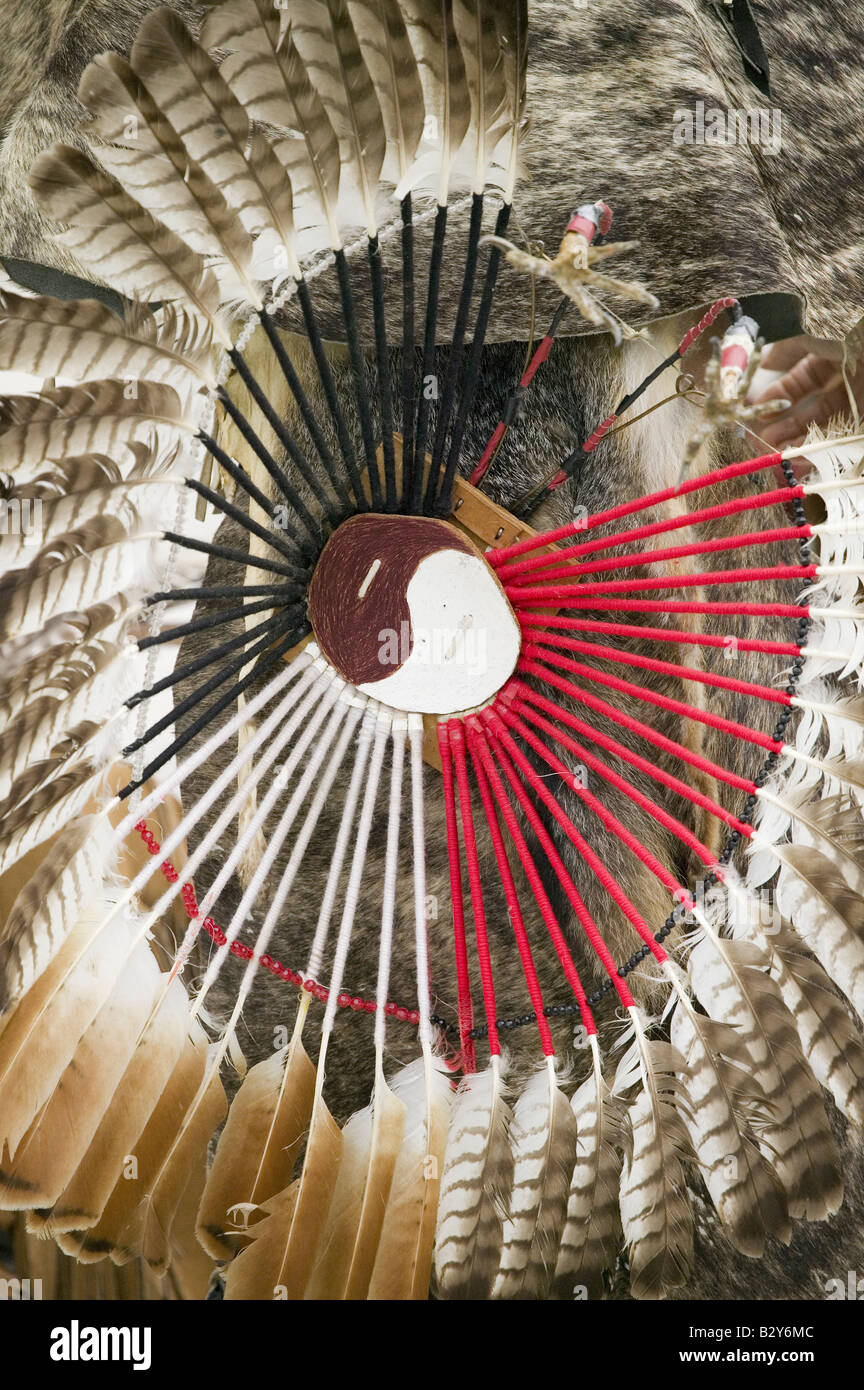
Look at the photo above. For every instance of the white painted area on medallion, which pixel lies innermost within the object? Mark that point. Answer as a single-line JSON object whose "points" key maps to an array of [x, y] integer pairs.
{"points": [[464, 639]]}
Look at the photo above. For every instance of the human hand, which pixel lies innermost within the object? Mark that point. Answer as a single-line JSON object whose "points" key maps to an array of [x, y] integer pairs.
{"points": [[812, 380]]}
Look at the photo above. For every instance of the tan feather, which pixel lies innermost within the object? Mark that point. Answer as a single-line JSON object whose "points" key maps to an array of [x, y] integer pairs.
{"points": [[150, 1230], [404, 1259], [61, 1133], [475, 1187], [370, 1147], [50, 904], [191, 1267], [89, 1189], [119, 1227], [724, 1101], [592, 1235], [258, 1147], [278, 1262], [543, 1137], [42, 1033], [731, 982], [655, 1210], [252, 1275], [110, 231]]}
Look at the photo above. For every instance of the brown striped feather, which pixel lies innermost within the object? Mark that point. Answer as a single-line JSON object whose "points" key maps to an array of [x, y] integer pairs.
{"points": [[724, 1102], [109, 231], [543, 1137], [655, 1209], [828, 914], [731, 982], [592, 1236], [476, 1185], [81, 338]]}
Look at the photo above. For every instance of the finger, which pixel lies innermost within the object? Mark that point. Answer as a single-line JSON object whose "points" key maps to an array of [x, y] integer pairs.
{"points": [[811, 374], [782, 433], [779, 357]]}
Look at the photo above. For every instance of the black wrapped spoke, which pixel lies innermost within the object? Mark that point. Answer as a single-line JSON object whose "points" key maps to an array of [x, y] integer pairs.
{"points": [[209, 658], [454, 362], [307, 414], [264, 533], [234, 470], [409, 366], [243, 557], [428, 366], [277, 473], [328, 386], [281, 592], [382, 361], [267, 661], [204, 624], [472, 370], [358, 368]]}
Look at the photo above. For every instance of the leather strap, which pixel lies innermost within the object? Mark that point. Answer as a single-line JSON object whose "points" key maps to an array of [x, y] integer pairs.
{"points": [[739, 19]]}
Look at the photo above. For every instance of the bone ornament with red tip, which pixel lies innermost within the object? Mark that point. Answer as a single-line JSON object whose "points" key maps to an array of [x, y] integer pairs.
{"points": [[572, 271], [586, 222], [736, 350]]}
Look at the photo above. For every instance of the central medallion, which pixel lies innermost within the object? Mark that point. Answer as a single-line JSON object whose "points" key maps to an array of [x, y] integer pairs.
{"points": [[407, 609]]}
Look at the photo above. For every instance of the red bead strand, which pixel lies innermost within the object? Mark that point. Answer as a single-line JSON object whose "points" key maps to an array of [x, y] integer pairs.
{"points": [[267, 962]]}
